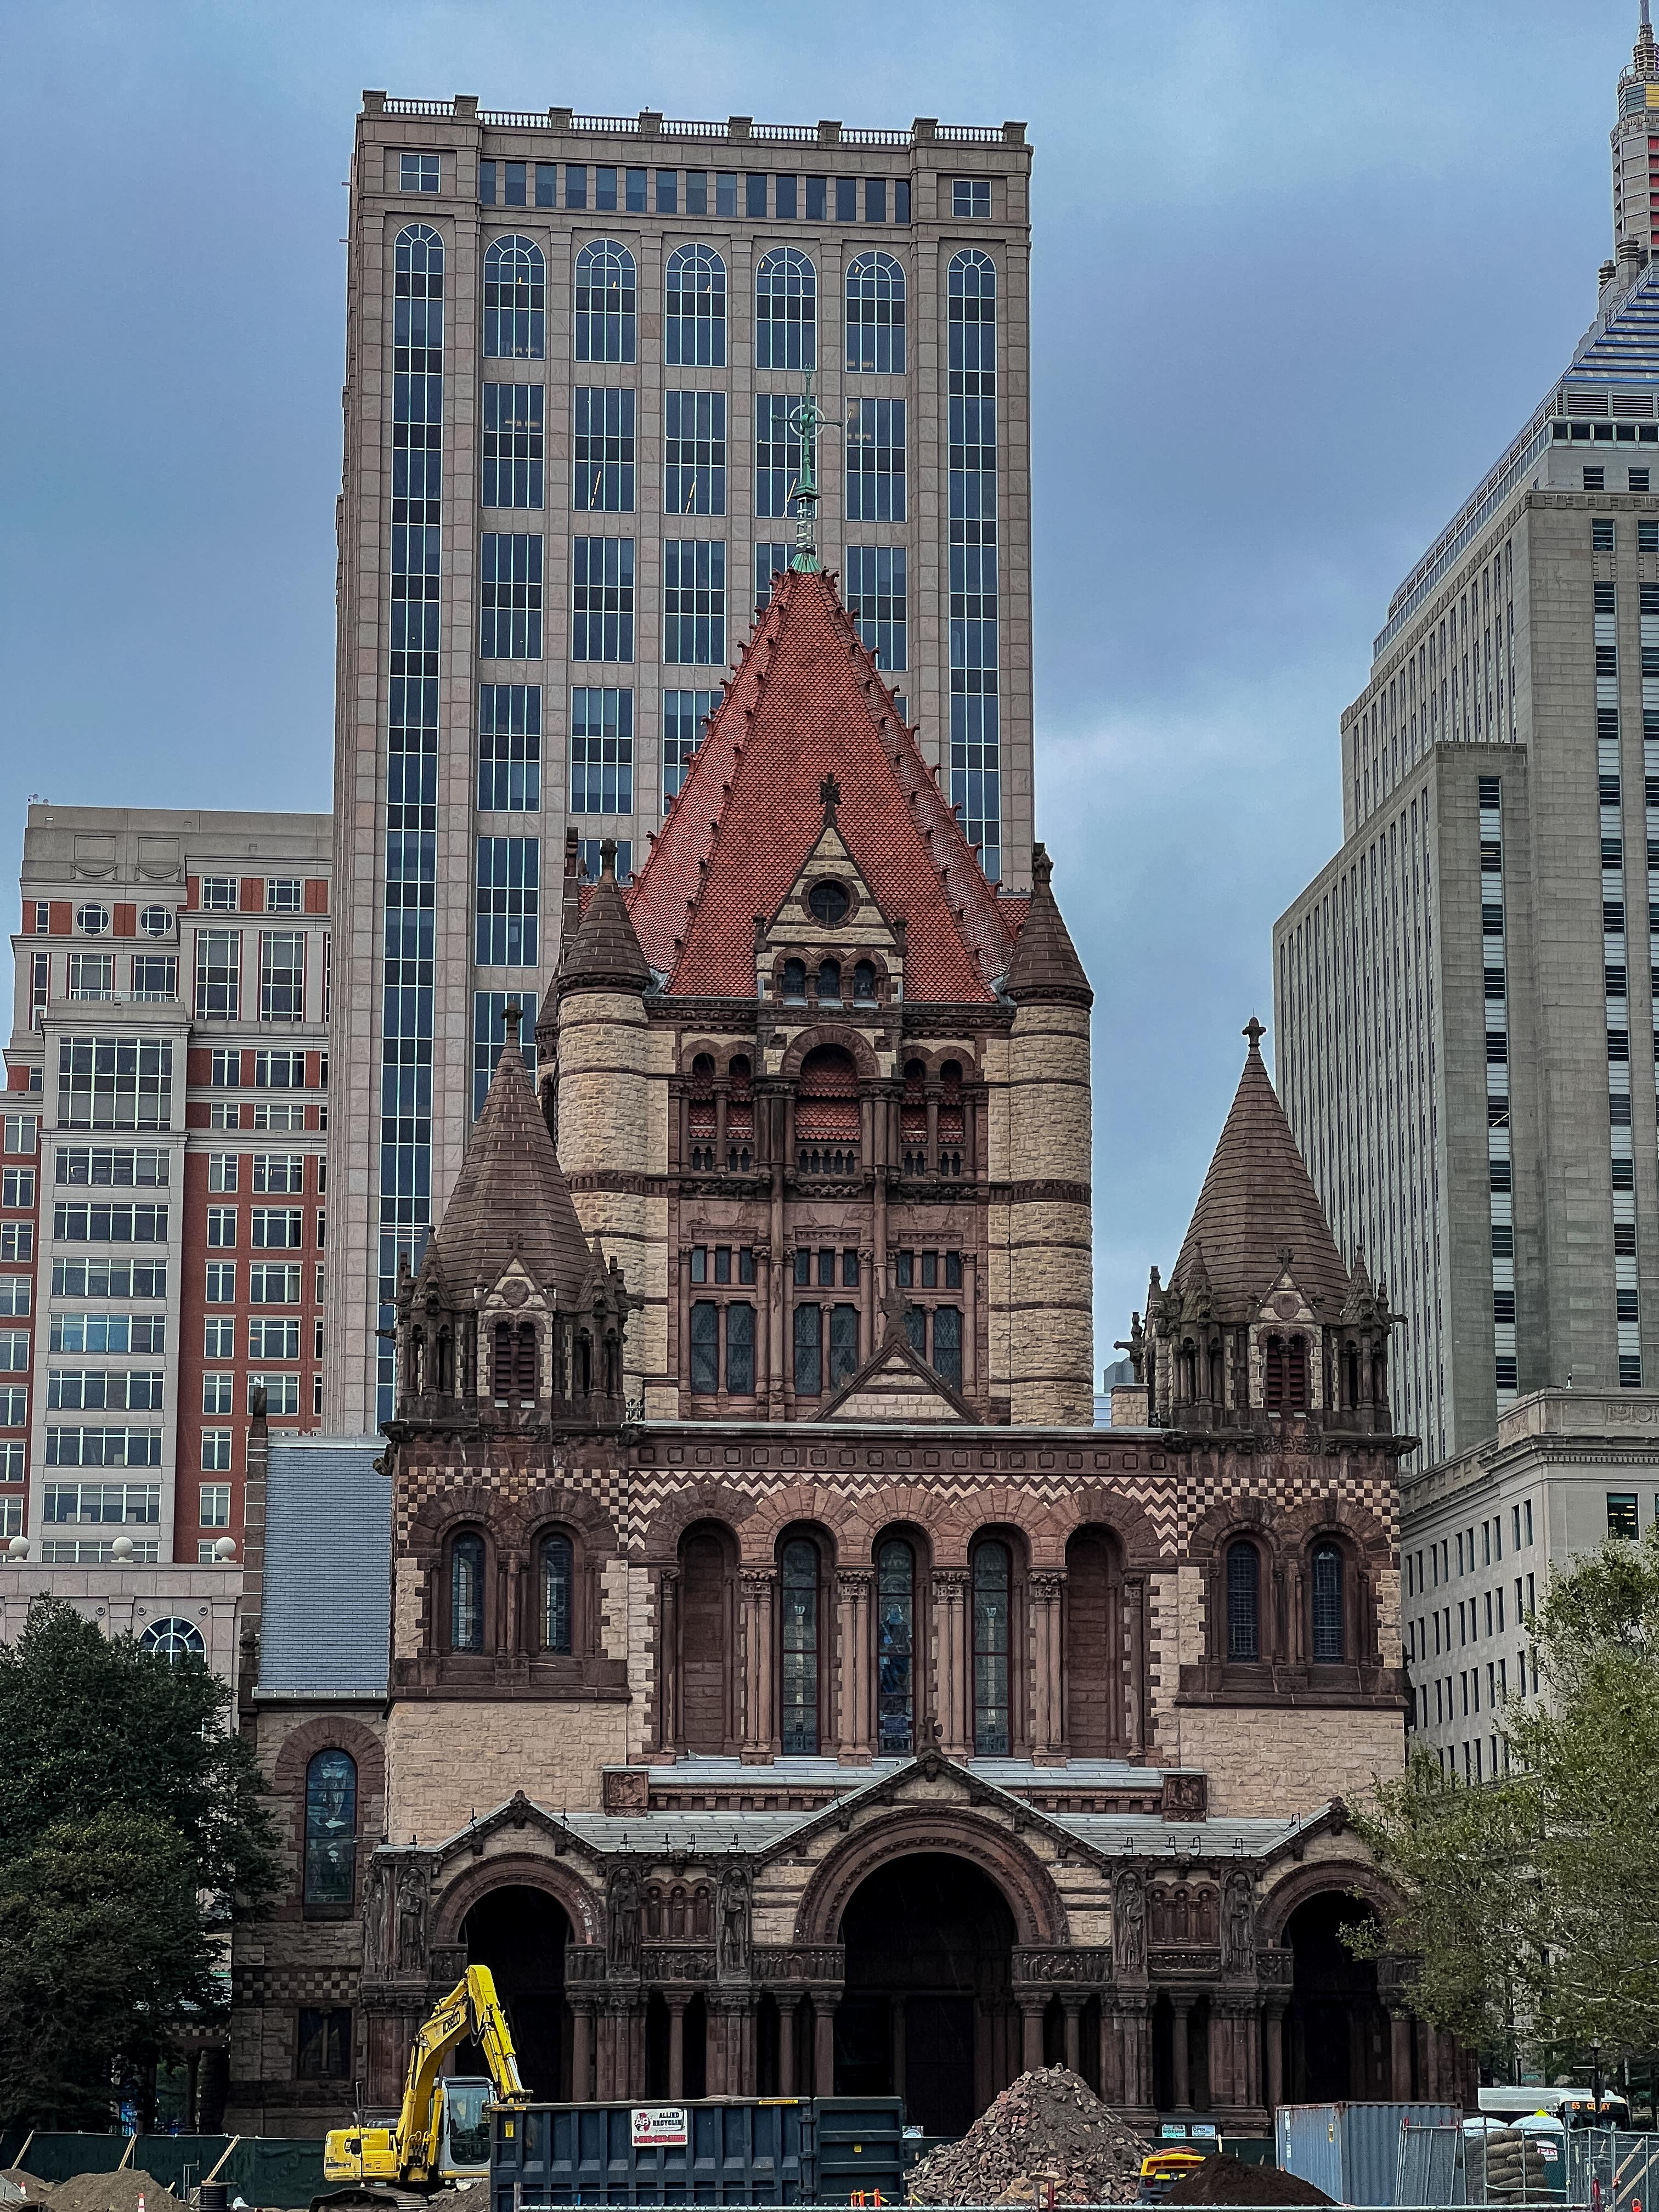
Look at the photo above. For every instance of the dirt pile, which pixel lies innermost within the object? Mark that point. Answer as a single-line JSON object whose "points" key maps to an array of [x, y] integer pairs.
{"points": [[1231, 2181], [97, 2192], [1047, 2126]]}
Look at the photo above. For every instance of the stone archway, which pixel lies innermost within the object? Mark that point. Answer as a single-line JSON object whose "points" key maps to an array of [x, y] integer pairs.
{"points": [[520, 1934], [926, 2012], [1336, 2031]]}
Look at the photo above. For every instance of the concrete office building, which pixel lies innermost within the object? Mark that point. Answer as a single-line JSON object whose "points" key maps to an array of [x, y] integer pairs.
{"points": [[1465, 995], [163, 1194], [574, 348]]}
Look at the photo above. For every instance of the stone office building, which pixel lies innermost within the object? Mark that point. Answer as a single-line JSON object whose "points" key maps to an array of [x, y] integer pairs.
{"points": [[817, 1700]]}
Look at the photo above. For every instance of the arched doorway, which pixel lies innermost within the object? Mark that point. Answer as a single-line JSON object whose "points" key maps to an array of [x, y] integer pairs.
{"points": [[519, 1934], [1336, 2032], [1094, 1645], [927, 2012]]}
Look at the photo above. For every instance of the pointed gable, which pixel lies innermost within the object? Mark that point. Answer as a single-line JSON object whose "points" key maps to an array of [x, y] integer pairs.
{"points": [[806, 702], [511, 1201], [1257, 1203]]}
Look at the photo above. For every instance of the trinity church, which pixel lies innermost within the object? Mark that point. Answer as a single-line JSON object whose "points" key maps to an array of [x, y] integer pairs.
{"points": [[777, 1680]]}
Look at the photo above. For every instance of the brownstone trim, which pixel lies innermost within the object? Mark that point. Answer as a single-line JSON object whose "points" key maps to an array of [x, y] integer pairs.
{"points": [[519, 1870], [711, 1499], [902, 1832], [851, 1041], [1304, 1882]]}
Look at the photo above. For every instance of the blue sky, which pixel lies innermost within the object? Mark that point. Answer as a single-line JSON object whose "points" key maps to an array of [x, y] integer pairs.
{"points": [[1300, 270]]}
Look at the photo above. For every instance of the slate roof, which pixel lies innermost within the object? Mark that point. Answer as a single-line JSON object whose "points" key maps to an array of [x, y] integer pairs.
{"points": [[806, 701], [1258, 1199], [1045, 967], [511, 1201], [328, 1546], [604, 952]]}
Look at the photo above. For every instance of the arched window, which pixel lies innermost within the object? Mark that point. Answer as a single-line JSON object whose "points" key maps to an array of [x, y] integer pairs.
{"points": [[705, 1638], [794, 979], [514, 300], [895, 1625], [974, 277], [740, 1350], [829, 980], [705, 1347], [800, 1646], [785, 311], [875, 314], [417, 258], [466, 1593], [606, 298], [173, 1639], [947, 1345], [694, 327], [864, 980], [330, 1852], [1092, 1672], [558, 1593], [993, 1644], [1243, 1601], [1330, 1644]]}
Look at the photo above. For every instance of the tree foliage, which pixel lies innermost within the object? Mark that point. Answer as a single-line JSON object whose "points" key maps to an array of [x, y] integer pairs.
{"points": [[131, 1834], [1527, 1901]]}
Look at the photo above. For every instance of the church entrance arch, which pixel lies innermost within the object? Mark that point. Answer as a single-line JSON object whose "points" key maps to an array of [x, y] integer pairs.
{"points": [[520, 1934], [1336, 2031], [927, 2012]]}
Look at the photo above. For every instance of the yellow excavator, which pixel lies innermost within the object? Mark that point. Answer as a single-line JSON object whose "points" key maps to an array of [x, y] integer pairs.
{"points": [[440, 2137]]}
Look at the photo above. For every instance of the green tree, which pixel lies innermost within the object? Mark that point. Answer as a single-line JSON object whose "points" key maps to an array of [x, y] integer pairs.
{"points": [[130, 1835], [1528, 1901]]}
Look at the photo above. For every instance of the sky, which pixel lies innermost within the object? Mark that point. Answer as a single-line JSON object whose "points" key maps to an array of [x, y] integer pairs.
{"points": [[1300, 270]]}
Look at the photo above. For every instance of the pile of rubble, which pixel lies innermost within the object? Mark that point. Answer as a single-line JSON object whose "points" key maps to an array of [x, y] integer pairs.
{"points": [[122, 2190], [1048, 2127], [1223, 2180]]}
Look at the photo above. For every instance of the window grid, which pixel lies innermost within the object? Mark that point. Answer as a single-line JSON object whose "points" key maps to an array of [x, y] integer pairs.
{"points": [[601, 751], [510, 597], [602, 573], [508, 890], [875, 314], [514, 298], [775, 454], [509, 748], [602, 469], [693, 603], [281, 975], [786, 310], [683, 714], [489, 1035], [606, 298], [876, 601], [694, 322], [514, 445], [975, 737], [693, 452], [875, 461]]}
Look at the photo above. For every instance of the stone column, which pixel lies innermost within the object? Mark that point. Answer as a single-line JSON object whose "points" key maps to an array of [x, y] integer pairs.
{"points": [[777, 1301], [582, 2050], [1072, 2005], [1136, 1720], [951, 1662], [1030, 2033], [824, 2042], [758, 1743], [853, 1719], [668, 1654], [1049, 1707], [788, 2007], [1272, 2016], [1400, 2053], [677, 2001], [969, 1327], [1181, 2006]]}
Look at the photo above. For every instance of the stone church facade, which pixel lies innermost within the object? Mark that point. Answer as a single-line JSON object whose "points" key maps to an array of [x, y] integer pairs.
{"points": [[789, 1688]]}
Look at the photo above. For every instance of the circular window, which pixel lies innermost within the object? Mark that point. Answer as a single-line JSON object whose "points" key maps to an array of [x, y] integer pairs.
{"points": [[828, 903], [174, 1639], [155, 920], [92, 921]]}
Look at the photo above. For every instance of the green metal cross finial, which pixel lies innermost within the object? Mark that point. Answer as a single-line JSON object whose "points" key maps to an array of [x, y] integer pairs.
{"points": [[805, 420]]}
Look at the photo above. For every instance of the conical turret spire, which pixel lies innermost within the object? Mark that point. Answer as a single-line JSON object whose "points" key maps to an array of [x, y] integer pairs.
{"points": [[604, 953], [1045, 966]]}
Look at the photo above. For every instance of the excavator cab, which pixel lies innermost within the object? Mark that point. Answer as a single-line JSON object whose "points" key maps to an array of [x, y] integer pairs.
{"points": [[466, 2125]]}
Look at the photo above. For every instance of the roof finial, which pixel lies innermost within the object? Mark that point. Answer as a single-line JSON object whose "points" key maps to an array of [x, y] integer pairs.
{"points": [[608, 859], [805, 419], [512, 1014], [829, 793], [1255, 1031]]}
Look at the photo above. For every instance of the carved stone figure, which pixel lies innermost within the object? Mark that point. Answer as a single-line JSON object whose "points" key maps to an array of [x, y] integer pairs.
{"points": [[733, 1922], [412, 1918], [378, 1937], [1129, 1923], [1237, 1925], [623, 1901]]}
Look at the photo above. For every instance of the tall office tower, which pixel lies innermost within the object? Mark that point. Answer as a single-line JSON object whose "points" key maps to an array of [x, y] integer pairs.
{"points": [[575, 347], [1465, 995], [162, 1191]]}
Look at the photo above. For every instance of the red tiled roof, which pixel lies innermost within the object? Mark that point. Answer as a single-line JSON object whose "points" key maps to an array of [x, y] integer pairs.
{"points": [[804, 702]]}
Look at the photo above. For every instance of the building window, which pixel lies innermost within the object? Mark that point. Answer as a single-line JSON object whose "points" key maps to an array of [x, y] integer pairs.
{"points": [[843, 1344], [602, 469], [282, 895], [808, 1351], [515, 296], [558, 1593], [895, 1578], [740, 1351], [281, 975], [1623, 1516], [466, 1593], [606, 293], [1285, 1376], [218, 974], [683, 714], [875, 461], [92, 920], [92, 974], [694, 328], [331, 1829], [875, 314], [1329, 1638], [282, 1071], [154, 976], [800, 1647], [602, 582], [325, 2047], [975, 755], [215, 1451], [489, 1035], [1243, 1608], [220, 894], [601, 751], [418, 173], [509, 748], [947, 1345], [509, 879], [785, 311], [993, 1569], [693, 452], [514, 445], [970, 196], [777, 450], [705, 1347], [876, 601], [218, 1393], [694, 602], [1602, 529], [510, 597]]}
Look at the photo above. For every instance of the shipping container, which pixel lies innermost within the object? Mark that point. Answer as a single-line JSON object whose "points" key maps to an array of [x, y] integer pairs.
{"points": [[1351, 2151]]}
